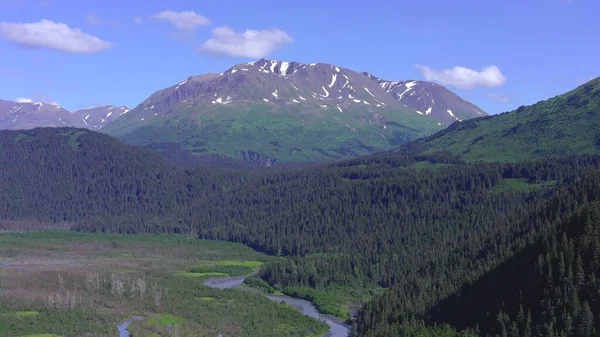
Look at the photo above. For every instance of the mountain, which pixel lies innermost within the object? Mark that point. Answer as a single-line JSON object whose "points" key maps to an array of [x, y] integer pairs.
{"points": [[29, 115], [97, 117], [273, 111], [430, 99], [562, 125]]}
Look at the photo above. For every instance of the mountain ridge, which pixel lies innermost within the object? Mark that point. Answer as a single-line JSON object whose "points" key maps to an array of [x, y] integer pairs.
{"points": [[450, 103], [29, 115]]}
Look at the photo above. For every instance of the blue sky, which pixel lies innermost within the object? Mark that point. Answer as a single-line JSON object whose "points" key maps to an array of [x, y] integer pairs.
{"points": [[126, 50]]}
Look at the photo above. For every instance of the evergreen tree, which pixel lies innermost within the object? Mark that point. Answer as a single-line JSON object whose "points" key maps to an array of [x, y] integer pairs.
{"points": [[585, 325]]}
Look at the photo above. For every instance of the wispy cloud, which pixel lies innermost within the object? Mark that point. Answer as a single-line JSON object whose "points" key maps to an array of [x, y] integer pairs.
{"points": [[248, 44], [94, 20], [138, 20], [51, 35], [465, 78], [187, 21], [582, 80], [499, 97], [8, 72], [14, 73]]}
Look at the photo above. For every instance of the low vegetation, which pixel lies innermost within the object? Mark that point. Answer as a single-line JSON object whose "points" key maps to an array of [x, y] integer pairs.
{"points": [[521, 186], [65, 284]]}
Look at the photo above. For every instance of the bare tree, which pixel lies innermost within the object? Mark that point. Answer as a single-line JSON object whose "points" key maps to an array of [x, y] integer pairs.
{"points": [[92, 281], [61, 282], [156, 294], [117, 286]]}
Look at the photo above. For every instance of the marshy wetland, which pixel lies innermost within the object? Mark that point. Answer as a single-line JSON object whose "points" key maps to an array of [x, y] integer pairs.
{"points": [[86, 285]]}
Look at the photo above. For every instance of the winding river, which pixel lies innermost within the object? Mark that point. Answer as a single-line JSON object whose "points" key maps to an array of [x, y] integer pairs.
{"points": [[336, 327]]}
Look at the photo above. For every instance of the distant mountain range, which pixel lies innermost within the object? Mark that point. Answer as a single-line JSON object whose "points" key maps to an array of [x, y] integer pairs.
{"points": [[97, 117], [563, 125], [273, 111], [266, 112], [29, 115]]}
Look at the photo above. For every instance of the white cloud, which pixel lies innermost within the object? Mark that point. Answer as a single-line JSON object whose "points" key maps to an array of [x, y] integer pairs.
{"points": [[499, 97], [30, 100], [182, 20], [465, 78], [23, 100], [137, 20], [57, 36], [249, 44]]}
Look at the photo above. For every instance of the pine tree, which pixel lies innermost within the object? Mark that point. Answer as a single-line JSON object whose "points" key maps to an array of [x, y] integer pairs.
{"points": [[585, 325], [527, 329]]}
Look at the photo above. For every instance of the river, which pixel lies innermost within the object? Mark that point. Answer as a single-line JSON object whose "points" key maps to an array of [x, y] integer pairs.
{"points": [[336, 327], [123, 326]]}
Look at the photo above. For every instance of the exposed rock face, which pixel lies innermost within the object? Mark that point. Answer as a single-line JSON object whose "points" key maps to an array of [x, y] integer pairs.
{"points": [[257, 160]]}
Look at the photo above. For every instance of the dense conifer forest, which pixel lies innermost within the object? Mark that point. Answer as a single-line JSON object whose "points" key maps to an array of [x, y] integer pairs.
{"points": [[463, 249]]}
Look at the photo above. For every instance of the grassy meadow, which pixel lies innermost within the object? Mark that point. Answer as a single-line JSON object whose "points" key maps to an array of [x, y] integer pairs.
{"points": [[71, 284]]}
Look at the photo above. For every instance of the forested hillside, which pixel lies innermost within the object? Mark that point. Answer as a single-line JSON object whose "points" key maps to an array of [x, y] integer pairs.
{"points": [[426, 227], [550, 288], [73, 174], [480, 304], [563, 125]]}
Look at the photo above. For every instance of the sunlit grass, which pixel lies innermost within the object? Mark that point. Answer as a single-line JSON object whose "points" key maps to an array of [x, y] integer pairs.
{"points": [[164, 320], [249, 264], [206, 299], [210, 274], [22, 314]]}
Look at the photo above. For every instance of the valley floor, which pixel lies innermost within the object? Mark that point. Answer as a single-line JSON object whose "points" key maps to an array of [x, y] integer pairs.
{"points": [[72, 284]]}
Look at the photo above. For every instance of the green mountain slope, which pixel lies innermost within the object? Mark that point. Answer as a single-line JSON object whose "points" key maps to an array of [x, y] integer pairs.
{"points": [[282, 134], [565, 124], [273, 111]]}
